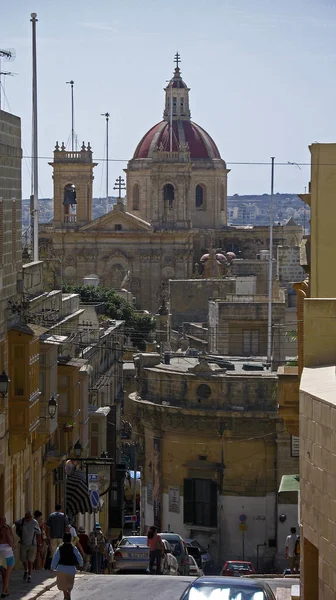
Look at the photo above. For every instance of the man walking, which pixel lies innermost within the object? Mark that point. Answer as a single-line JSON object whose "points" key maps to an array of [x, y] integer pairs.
{"points": [[290, 550], [57, 525], [27, 529]]}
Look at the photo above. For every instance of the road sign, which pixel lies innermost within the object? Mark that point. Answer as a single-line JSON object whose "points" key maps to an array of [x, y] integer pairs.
{"points": [[243, 527], [93, 482], [130, 518], [94, 496], [242, 518]]}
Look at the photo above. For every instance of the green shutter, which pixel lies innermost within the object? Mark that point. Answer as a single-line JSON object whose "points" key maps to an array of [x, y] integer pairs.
{"points": [[188, 501], [213, 504]]}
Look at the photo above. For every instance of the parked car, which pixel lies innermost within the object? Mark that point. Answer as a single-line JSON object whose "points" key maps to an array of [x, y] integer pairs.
{"points": [[195, 553], [179, 551], [207, 563], [194, 569], [237, 568], [169, 564], [217, 587], [132, 554]]}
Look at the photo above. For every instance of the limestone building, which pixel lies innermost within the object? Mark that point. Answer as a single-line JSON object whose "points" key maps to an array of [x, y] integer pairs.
{"points": [[176, 207], [213, 449]]}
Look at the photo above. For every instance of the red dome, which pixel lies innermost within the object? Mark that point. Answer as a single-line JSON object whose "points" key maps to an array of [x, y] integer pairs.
{"points": [[200, 144]]}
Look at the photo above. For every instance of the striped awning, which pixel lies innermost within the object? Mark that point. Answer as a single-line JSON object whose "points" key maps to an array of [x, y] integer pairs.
{"points": [[77, 494]]}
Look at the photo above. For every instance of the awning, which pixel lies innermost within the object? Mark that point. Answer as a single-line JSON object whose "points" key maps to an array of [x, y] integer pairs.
{"points": [[289, 483], [77, 494]]}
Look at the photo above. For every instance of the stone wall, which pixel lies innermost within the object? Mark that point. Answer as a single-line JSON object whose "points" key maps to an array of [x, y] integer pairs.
{"points": [[289, 268], [189, 298]]}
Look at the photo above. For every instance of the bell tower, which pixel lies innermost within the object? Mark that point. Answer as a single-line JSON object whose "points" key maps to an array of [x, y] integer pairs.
{"points": [[73, 178]]}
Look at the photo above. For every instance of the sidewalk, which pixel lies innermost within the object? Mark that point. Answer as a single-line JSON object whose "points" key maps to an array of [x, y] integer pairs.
{"points": [[21, 590]]}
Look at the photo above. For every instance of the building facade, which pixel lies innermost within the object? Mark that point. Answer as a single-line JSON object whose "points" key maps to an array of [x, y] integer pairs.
{"points": [[210, 450]]}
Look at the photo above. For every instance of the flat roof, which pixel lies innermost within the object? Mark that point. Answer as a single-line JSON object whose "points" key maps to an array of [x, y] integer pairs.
{"points": [[320, 382], [183, 364]]}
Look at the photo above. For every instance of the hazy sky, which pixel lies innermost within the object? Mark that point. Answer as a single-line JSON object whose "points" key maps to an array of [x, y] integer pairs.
{"points": [[262, 78]]}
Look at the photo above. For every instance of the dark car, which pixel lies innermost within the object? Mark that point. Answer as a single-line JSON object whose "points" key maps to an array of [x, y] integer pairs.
{"points": [[211, 587], [237, 568]]}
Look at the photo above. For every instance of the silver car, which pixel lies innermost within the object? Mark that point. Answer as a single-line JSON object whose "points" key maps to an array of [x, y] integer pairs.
{"points": [[132, 554]]}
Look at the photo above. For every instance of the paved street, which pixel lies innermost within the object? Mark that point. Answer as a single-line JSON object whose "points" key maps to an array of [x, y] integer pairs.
{"points": [[143, 587]]}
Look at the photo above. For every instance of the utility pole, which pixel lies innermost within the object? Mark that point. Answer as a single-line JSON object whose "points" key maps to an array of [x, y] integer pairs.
{"points": [[107, 116], [134, 483], [34, 143], [270, 271], [71, 82]]}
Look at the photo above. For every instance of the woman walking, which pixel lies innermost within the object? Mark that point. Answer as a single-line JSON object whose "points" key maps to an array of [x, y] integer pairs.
{"points": [[65, 561], [6, 549], [155, 544]]}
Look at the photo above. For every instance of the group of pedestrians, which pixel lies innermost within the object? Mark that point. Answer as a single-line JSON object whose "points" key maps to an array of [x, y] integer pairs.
{"points": [[53, 544]]}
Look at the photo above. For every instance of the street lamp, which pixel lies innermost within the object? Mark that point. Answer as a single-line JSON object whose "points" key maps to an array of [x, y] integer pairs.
{"points": [[78, 449], [52, 407], [4, 381]]}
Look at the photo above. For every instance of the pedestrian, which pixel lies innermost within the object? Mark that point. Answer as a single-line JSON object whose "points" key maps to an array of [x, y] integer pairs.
{"points": [[6, 551], [74, 537], [57, 525], [156, 550], [65, 561], [290, 554], [97, 546], [109, 556], [42, 543], [27, 530], [84, 542]]}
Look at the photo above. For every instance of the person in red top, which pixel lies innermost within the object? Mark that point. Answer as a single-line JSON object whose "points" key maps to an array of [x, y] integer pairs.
{"points": [[6, 549], [154, 542]]}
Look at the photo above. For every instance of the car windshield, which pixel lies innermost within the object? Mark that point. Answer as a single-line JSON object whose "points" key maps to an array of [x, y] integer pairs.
{"points": [[134, 540], [224, 592], [239, 567]]}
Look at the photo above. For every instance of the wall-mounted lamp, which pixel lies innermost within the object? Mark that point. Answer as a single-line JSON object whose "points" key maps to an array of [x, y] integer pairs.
{"points": [[52, 407], [282, 518], [4, 382], [78, 449]]}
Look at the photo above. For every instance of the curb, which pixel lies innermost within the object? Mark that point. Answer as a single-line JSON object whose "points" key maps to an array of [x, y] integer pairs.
{"points": [[46, 589]]}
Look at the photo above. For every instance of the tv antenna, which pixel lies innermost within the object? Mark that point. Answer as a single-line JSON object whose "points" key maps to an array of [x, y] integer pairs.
{"points": [[8, 55]]}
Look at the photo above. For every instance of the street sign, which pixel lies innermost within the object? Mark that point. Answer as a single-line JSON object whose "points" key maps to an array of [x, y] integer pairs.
{"points": [[93, 482], [130, 518], [243, 526], [242, 518], [94, 496]]}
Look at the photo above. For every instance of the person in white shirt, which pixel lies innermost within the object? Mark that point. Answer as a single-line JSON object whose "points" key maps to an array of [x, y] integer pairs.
{"points": [[290, 550]]}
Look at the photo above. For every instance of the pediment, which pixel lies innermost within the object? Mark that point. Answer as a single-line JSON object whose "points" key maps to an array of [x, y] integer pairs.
{"points": [[112, 220]]}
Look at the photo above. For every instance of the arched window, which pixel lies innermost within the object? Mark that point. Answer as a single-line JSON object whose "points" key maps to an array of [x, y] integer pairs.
{"points": [[136, 197], [168, 194], [70, 203], [222, 196], [200, 193]]}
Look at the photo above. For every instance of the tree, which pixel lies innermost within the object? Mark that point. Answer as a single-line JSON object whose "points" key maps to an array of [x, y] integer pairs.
{"points": [[137, 327]]}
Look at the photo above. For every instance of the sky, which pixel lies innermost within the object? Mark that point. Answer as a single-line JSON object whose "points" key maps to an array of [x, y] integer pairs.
{"points": [[261, 73]]}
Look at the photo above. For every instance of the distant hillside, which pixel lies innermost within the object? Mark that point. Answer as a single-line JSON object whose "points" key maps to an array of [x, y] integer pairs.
{"points": [[242, 210]]}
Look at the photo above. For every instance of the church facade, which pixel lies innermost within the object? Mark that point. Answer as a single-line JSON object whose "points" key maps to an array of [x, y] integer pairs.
{"points": [[176, 207]]}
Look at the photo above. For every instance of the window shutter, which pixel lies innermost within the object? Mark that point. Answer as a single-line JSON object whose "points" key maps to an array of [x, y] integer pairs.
{"points": [[188, 501], [213, 504]]}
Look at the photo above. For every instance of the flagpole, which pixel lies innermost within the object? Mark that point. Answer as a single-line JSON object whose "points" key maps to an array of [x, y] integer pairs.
{"points": [[35, 149], [270, 271]]}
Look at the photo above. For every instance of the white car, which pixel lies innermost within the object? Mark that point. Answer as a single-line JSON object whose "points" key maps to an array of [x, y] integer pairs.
{"points": [[194, 570], [169, 563]]}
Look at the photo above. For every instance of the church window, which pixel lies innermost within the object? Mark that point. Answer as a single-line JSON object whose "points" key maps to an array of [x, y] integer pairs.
{"points": [[168, 194], [174, 105], [118, 227], [136, 197], [203, 392], [200, 191], [222, 197]]}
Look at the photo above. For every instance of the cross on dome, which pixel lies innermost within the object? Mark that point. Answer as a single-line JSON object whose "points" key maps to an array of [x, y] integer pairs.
{"points": [[177, 59]]}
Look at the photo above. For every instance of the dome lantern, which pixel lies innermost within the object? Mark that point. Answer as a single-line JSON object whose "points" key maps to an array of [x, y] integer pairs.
{"points": [[177, 96]]}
